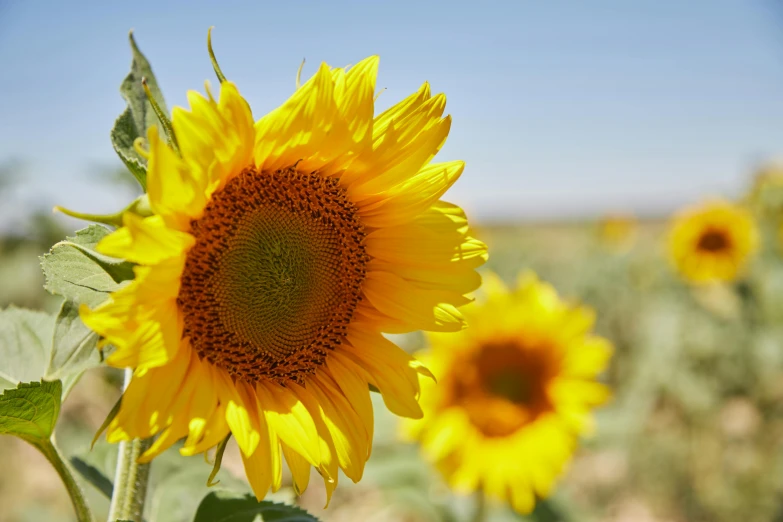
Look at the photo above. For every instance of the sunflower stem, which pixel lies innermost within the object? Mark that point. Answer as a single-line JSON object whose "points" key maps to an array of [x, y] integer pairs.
{"points": [[80, 505], [130, 477], [479, 507]]}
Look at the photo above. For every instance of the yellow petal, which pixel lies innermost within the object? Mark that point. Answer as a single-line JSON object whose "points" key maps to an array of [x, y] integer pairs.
{"points": [[147, 241], [393, 132], [306, 130], [417, 307], [401, 161], [348, 376], [448, 278], [287, 416], [388, 367], [403, 202], [329, 461], [300, 468], [590, 360], [258, 469], [176, 193], [436, 238], [344, 425], [142, 320], [215, 138], [242, 415], [355, 101]]}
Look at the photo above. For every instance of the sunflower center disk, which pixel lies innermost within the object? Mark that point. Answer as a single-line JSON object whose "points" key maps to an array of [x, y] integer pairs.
{"points": [[274, 276], [503, 387], [713, 241]]}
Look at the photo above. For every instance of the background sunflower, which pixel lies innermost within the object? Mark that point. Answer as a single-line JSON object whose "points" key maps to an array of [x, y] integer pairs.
{"points": [[515, 391], [712, 242]]}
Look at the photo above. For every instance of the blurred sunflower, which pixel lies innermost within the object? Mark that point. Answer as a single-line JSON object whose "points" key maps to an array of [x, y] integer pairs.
{"points": [[515, 392], [765, 196], [617, 232], [276, 254], [712, 242]]}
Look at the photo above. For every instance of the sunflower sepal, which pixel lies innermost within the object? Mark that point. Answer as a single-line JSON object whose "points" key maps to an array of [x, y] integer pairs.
{"points": [[139, 115], [163, 118], [211, 482], [105, 424], [218, 72], [139, 206]]}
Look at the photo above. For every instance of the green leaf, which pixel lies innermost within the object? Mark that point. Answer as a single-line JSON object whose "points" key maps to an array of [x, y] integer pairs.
{"points": [[139, 116], [74, 269], [30, 410], [94, 476], [75, 346], [223, 506], [105, 424], [123, 134], [25, 345]]}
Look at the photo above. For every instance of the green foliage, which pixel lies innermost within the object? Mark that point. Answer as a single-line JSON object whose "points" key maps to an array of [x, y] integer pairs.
{"points": [[221, 506], [30, 410], [105, 424], [74, 346], [76, 271], [138, 116], [93, 475], [25, 345]]}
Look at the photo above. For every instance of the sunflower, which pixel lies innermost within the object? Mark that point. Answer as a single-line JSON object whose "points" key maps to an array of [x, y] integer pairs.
{"points": [[276, 254], [617, 232], [515, 392], [712, 242]]}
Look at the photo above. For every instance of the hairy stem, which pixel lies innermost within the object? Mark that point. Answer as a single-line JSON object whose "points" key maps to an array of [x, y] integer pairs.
{"points": [[480, 506], [130, 478], [80, 506]]}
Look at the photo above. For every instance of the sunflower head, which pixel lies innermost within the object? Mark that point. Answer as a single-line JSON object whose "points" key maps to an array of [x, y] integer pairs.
{"points": [[277, 253], [617, 232], [515, 392], [712, 242]]}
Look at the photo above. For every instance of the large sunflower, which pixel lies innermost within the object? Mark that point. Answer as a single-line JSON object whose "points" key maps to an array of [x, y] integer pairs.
{"points": [[276, 254], [712, 242], [515, 392]]}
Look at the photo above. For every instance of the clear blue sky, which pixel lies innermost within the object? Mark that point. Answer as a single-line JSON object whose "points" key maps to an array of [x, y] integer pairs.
{"points": [[560, 108]]}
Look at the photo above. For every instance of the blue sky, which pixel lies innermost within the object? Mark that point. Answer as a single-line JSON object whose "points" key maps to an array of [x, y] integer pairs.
{"points": [[560, 108]]}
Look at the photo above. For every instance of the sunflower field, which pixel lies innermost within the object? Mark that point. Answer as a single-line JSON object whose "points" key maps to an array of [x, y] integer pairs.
{"points": [[291, 321]]}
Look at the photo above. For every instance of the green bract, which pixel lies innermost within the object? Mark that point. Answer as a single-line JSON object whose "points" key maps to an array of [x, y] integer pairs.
{"points": [[139, 116]]}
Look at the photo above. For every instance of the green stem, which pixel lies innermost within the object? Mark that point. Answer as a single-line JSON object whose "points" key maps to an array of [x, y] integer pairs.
{"points": [[80, 505], [130, 478], [479, 506]]}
